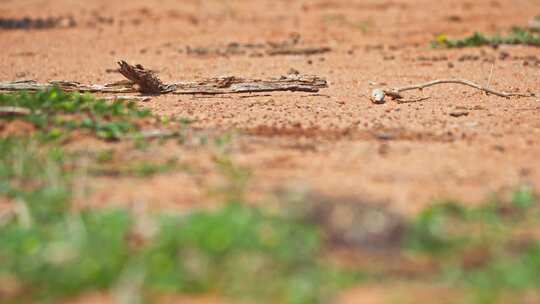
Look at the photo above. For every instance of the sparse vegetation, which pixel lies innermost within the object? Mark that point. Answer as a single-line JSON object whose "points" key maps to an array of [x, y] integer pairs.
{"points": [[56, 113], [516, 36]]}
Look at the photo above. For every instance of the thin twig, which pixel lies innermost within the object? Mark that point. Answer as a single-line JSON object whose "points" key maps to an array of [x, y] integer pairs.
{"points": [[395, 93], [126, 97], [462, 82], [254, 96], [413, 100]]}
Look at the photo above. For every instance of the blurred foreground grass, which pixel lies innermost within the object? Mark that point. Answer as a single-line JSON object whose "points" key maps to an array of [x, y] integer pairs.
{"points": [[492, 251], [50, 250]]}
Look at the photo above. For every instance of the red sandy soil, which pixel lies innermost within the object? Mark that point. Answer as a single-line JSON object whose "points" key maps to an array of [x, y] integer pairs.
{"points": [[336, 143]]}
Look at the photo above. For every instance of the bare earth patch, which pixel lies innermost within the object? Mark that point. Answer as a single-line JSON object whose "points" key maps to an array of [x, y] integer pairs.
{"points": [[459, 144]]}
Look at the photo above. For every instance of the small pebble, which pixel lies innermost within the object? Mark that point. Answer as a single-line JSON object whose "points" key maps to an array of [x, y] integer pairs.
{"points": [[377, 96]]}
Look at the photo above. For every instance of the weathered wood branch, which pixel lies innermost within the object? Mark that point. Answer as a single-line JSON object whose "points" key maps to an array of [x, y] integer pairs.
{"points": [[228, 85], [212, 86], [147, 82]]}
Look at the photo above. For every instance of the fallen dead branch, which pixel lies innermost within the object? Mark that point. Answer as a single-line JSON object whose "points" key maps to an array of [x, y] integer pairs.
{"points": [[378, 95], [147, 82], [13, 111]]}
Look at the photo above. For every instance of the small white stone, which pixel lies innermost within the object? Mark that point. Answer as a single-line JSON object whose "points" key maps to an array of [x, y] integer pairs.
{"points": [[377, 96]]}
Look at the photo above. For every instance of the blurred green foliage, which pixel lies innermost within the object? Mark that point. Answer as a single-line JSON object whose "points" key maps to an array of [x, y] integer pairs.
{"points": [[237, 250], [240, 251], [492, 250], [516, 36], [38, 177]]}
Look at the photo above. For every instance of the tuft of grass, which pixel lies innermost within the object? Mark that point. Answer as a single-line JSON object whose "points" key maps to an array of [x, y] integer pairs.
{"points": [[516, 36], [57, 113], [35, 177], [238, 251], [493, 251], [75, 253], [236, 178]]}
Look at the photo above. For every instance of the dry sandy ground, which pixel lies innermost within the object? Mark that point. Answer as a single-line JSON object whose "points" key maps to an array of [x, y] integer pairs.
{"points": [[336, 143]]}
